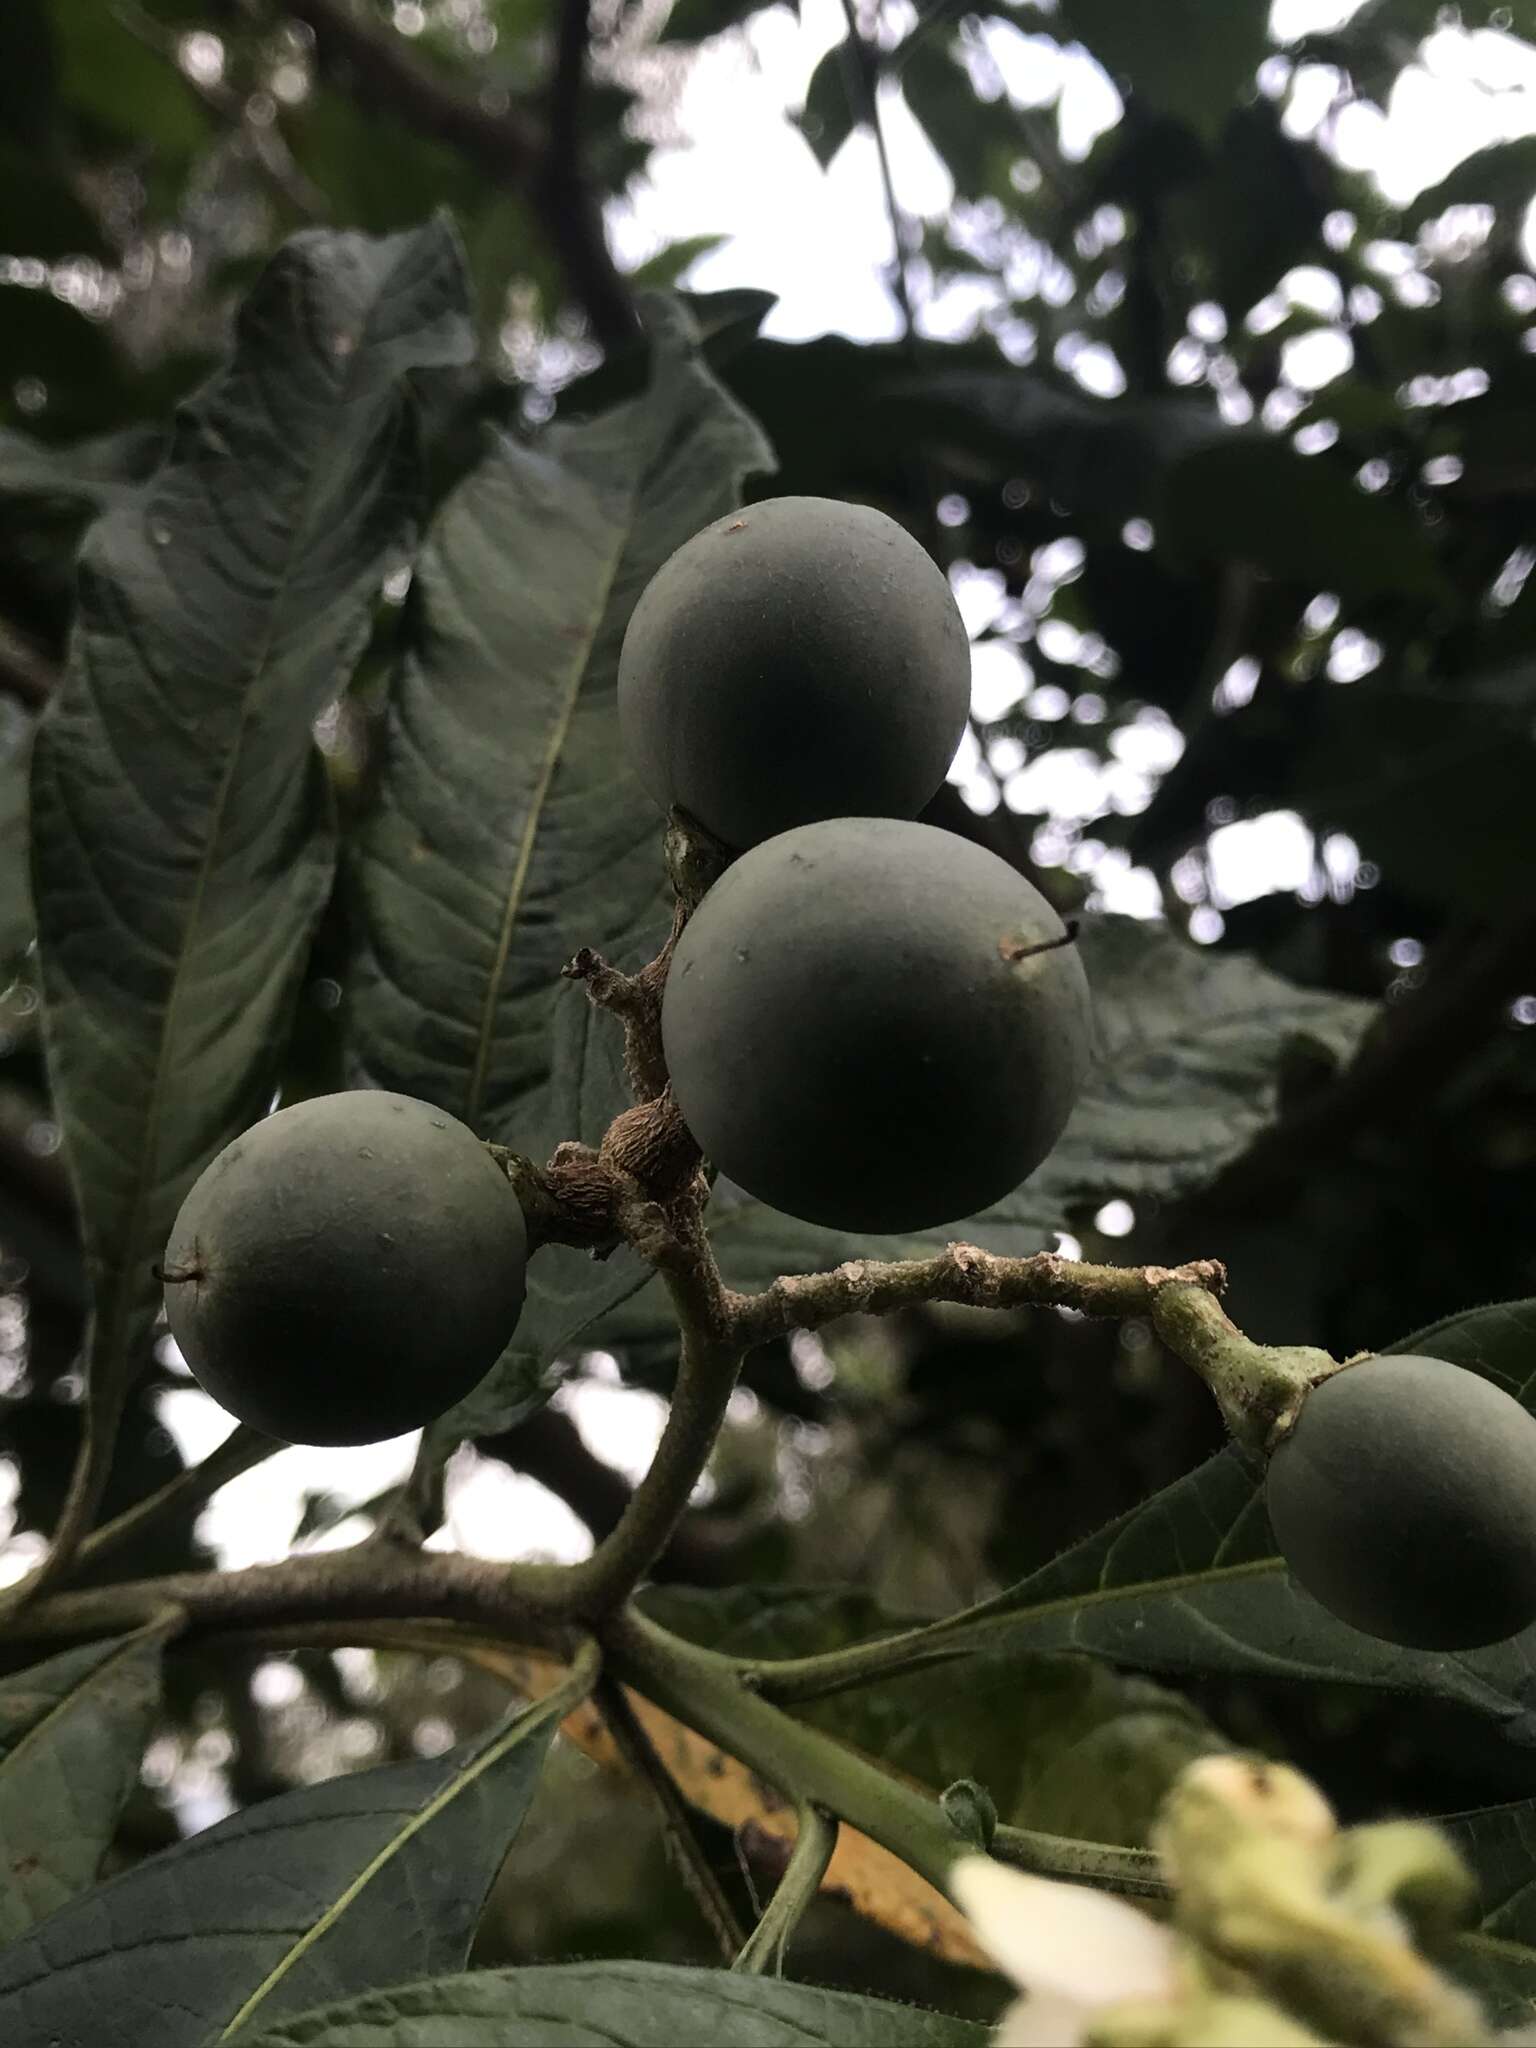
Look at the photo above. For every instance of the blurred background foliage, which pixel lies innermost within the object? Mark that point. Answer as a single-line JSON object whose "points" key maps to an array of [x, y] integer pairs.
{"points": [[1234, 467]]}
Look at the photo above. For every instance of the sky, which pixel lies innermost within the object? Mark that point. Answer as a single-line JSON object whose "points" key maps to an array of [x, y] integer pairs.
{"points": [[820, 241]]}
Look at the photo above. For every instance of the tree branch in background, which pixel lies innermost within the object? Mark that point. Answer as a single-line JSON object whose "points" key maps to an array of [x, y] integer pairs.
{"points": [[376, 68], [570, 208], [548, 1447], [1407, 1054], [862, 77]]}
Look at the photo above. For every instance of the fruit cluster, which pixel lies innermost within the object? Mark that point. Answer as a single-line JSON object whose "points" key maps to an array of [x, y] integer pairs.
{"points": [[869, 1024]]}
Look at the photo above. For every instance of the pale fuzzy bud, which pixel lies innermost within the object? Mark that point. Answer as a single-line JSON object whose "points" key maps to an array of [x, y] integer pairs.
{"points": [[1066, 1946]]}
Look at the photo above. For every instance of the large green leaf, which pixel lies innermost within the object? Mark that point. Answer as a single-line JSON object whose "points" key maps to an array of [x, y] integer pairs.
{"points": [[182, 836], [1499, 1959], [86, 477], [1186, 1076], [16, 922], [316, 1894], [1186, 57], [72, 1732], [621, 2005], [508, 831], [1190, 1582]]}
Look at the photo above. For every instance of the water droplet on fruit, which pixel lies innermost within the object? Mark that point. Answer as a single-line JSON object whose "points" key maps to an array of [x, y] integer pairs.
{"points": [[160, 534], [365, 1151]]}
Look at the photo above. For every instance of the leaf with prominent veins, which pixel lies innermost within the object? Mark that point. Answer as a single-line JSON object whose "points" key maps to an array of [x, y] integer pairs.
{"points": [[183, 841], [507, 830]]}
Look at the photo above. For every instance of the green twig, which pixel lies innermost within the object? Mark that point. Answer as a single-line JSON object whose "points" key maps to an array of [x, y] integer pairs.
{"points": [[706, 1692], [711, 1357], [687, 1852], [240, 1451], [815, 1840]]}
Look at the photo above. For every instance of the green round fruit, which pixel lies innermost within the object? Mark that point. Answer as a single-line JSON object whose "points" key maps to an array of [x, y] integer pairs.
{"points": [[861, 1030], [1404, 1501], [799, 659], [346, 1269]]}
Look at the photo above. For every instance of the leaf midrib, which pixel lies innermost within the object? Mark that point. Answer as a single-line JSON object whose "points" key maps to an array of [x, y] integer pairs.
{"points": [[522, 1729], [523, 865], [112, 1341]]}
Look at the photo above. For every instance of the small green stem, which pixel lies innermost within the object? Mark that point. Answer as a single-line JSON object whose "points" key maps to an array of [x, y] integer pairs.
{"points": [[711, 1357], [706, 1692], [1258, 1387], [965, 1274], [683, 1845], [815, 1840], [1104, 1865], [240, 1451]]}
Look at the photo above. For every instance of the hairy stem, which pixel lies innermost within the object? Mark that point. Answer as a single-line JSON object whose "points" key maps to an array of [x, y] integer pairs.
{"points": [[1258, 1387], [961, 1273], [707, 1693]]}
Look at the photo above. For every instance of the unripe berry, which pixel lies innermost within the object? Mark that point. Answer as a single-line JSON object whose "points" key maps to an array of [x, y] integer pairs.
{"points": [[1404, 1501], [799, 659], [347, 1269]]}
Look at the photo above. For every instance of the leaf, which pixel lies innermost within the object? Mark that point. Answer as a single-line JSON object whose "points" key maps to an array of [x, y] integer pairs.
{"points": [[1186, 57], [507, 830], [16, 920], [979, 144], [1190, 1580], [662, 271], [873, 1880], [695, 21], [1185, 1079], [315, 1894], [621, 2005], [72, 1731], [828, 118], [182, 836], [1499, 1959], [87, 477]]}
